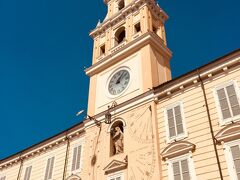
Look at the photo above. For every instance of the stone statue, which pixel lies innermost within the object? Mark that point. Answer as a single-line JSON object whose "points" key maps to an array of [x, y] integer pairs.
{"points": [[118, 140]]}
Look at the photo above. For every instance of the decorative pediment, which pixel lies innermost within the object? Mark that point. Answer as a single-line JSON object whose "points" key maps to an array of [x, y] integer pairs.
{"points": [[177, 148], [114, 166], [74, 177], [228, 133]]}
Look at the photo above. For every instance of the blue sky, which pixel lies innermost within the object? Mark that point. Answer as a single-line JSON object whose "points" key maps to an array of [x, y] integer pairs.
{"points": [[44, 47]]}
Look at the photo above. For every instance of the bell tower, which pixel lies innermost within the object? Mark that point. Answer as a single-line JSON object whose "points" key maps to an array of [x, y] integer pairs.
{"points": [[130, 54]]}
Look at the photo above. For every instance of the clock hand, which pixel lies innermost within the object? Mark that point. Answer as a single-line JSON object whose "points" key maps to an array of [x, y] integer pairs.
{"points": [[119, 79]]}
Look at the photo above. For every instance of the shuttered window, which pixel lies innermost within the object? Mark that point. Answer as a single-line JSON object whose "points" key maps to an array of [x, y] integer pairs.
{"points": [[235, 151], [181, 170], [175, 121], [76, 160], [27, 173], [228, 101], [49, 169], [3, 178]]}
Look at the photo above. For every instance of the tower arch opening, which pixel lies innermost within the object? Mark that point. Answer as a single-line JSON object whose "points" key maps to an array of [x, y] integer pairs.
{"points": [[121, 4], [120, 35]]}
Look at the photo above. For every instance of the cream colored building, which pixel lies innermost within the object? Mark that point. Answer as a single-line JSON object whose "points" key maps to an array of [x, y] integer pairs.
{"points": [[142, 124]]}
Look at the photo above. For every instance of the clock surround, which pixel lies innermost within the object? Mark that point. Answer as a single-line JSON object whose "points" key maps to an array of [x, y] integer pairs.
{"points": [[118, 82]]}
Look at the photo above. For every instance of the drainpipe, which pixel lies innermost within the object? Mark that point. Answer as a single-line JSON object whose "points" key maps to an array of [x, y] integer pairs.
{"points": [[210, 125], [66, 158], [20, 168]]}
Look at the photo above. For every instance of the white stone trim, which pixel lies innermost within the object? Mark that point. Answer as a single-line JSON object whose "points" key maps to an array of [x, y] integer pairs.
{"points": [[188, 157], [180, 136], [129, 70], [46, 162], [219, 111], [81, 143], [116, 175], [229, 159]]}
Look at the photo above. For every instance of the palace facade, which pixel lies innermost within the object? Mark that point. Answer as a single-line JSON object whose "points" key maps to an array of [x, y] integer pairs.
{"points": [[141, 123]]}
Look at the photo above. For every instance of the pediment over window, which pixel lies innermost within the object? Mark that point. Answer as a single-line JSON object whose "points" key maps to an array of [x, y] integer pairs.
{"points": [[228, 133], [73, 177], [114, 166], [177, 149]]}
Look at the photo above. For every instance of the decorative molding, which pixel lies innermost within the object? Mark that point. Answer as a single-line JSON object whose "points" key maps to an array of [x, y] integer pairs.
{"points": [[146, 38], [73, 177], [229, 133], [207, 72], [114, 166], [177, 149], [157, 12], [38, 149]]}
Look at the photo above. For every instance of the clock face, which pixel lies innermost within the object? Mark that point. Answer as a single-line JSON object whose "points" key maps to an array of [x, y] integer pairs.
{"points": [[119, 82]]}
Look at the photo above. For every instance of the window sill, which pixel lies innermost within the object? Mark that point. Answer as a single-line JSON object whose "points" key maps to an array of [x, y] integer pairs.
{"points": [[119, 46], [100, 57], [176, 138], [229, 120], [137, 34]]}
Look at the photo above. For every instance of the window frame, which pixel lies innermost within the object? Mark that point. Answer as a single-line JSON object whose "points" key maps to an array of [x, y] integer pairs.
{"points": [[117, 2], [191, 168], [77, 144], [116, 175], [30, 165], [229, 159], [134, 27], [100, 49], [217, 103], [45, 167], [180, 136], [3, 177]]}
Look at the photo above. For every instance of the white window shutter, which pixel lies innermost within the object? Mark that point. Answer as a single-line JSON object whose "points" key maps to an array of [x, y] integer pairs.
{"points": [[28, 173], [236, 159], [78, 157], [178, 119], [223, 103], [74, 159], [171, 123], [51, 168], [233, 100], [176, 171], [185, 169], [47, 169]]}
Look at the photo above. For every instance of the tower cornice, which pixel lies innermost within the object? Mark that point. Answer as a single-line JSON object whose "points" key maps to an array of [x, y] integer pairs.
{"points": [[147, 38], [157, 12]]}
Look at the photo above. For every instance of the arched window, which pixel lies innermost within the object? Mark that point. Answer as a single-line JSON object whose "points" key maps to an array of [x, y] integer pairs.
{"points": [[120, 35], [121, 5], [116, 138]]}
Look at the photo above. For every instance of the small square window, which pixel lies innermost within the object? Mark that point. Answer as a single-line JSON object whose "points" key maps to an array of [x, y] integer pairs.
{"points": [[137, 27]]}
